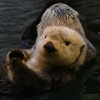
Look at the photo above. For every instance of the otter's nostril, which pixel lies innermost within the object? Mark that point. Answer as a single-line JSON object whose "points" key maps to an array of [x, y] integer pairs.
{"points": [[49, 47]]}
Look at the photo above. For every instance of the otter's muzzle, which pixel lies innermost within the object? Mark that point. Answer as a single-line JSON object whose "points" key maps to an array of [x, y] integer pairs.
{"points": [[49, 47]]}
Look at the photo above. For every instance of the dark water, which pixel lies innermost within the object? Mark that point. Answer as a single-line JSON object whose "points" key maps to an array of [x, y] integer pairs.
{"points": [[15, 15]]}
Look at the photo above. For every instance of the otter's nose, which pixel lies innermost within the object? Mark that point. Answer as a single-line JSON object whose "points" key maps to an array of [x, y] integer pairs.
{"points": [[49, 47]]}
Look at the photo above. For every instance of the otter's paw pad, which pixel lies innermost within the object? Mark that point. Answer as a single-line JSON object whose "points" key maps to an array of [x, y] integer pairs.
{"points": [[16, 53]]}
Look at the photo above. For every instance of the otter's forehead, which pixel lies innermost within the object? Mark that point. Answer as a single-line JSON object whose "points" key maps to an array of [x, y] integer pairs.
{"points": [[56, 30], [62, 32]]}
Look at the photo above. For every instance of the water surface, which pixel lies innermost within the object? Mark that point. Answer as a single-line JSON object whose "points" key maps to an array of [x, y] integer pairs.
{"points": [[15, 15]]}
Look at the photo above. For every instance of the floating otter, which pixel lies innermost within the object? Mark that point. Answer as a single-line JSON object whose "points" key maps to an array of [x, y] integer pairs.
{"points": [[59, 54], [60, 50]]}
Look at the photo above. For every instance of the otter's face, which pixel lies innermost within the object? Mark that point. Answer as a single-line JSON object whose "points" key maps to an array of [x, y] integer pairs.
{"points": [[61, 46]]}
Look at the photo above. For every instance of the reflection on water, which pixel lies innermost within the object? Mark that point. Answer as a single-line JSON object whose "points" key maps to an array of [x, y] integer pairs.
{"points": [[15, 15]]}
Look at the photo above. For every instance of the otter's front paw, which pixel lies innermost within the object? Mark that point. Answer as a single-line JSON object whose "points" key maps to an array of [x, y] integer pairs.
{"points": [[15, 68], [15, 53]]}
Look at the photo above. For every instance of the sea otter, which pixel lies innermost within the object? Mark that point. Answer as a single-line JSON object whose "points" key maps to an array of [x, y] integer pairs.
{"points": [[57, 57], [60, 51]]}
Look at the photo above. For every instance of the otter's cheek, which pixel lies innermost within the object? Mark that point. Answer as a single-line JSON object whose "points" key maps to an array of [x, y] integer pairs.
{"points": [[39, 47], [67, 56]]}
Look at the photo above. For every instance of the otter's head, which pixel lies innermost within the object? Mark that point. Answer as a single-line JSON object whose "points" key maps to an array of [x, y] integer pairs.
{"points": [[61, 46]]}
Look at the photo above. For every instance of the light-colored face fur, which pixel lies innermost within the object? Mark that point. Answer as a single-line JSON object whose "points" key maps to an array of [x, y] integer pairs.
{"points": [[61, 46], [60, 15]]}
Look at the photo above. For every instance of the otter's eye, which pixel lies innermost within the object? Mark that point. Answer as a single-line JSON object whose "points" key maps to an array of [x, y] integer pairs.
{"points": [[45, 36], [67, 43]]}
